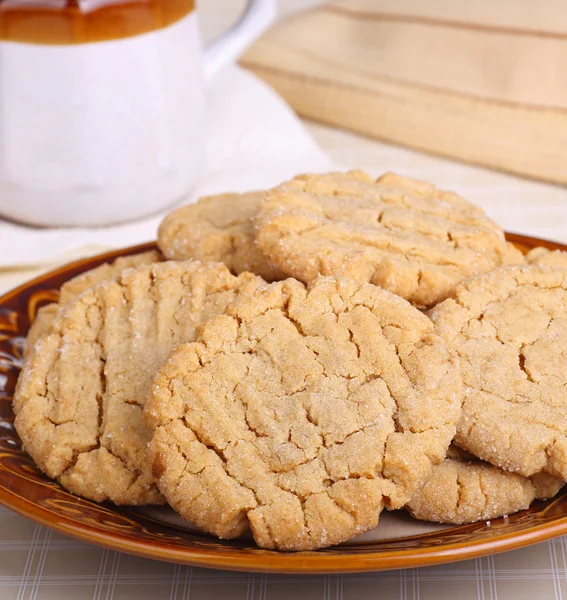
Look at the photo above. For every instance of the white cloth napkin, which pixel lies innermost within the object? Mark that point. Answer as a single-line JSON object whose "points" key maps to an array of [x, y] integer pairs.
{"points": [[255, 141]]}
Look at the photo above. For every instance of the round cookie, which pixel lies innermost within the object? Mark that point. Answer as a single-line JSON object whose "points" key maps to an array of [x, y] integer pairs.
{"points": [[218, 228], [464, 489], [79, 398], [543, 257], [509, 329], [401, 234], [300, 413], [75, 286]]}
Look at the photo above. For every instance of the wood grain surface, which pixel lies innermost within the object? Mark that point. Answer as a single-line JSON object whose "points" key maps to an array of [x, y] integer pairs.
{"points": [[482, 82]]}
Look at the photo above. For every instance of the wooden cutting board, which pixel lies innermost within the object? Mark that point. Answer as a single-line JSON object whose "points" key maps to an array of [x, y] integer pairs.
{"points": [[483, 82]]}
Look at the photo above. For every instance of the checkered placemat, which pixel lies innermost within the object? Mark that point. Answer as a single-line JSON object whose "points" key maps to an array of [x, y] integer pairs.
{"points": [[37, 563]]}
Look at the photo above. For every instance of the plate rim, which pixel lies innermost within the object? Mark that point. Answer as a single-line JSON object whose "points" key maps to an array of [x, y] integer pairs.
{"points": [[268, 561]]}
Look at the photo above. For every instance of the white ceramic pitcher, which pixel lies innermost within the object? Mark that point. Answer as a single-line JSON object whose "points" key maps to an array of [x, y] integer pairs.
{"points": [[102, 105]]}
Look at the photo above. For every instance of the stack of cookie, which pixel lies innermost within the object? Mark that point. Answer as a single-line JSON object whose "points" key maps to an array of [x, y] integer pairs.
{"points": [[301, 358]]}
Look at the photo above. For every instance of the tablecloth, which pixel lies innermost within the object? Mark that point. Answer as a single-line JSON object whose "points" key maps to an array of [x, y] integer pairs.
{"points": [[39, 564]]}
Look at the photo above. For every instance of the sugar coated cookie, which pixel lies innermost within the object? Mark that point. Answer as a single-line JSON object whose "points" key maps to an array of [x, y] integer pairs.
{"points": [[543, 257], [218, 228], [75, 286], [80, 395], [401, 234], [509, 329], [465, 489], [301, 412]]}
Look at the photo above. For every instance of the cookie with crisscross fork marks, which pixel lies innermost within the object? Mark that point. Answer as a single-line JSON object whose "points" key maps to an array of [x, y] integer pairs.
{"points": [[80, 395], [509, 329], [77, 285], [301, 412], [401, 234]]}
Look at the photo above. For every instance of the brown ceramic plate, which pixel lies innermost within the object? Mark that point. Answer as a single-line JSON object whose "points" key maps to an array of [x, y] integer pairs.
{"points": [[398, 542]]}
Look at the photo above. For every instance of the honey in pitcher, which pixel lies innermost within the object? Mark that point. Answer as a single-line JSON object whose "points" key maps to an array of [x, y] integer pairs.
{"points": [[57, 22]]}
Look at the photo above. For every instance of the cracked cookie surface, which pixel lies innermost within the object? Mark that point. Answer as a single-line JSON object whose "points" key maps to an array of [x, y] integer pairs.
{"points": [[218, 228], [401, 234], [301, 412], [465, 489], [79, 398], [509, 329], [75, 286]]}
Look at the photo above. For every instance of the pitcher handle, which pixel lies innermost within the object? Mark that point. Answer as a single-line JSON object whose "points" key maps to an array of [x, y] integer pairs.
{"points": [[227, 48]]}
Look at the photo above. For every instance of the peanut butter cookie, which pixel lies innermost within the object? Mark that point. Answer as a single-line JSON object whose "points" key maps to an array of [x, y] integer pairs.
{"points": [[544, 257], [401, 234], [301, 412], [513, 257], [75, 286], [465, 489], [509, 329], [40, 326], [80, 395], [218, 228]]}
